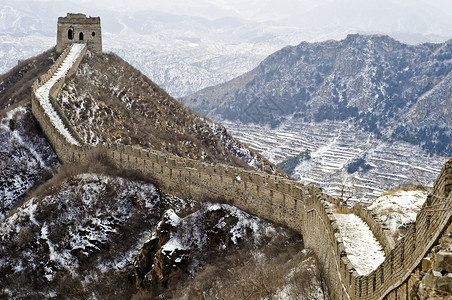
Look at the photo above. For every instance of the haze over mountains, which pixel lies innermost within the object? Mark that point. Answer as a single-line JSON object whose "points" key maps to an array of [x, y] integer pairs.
{"points": [[187, 46], [384, 86], [373, 112]]}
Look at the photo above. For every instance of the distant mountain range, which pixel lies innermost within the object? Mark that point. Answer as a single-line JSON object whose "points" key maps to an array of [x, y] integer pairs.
{"points": [[185, 48], [394, 90]]}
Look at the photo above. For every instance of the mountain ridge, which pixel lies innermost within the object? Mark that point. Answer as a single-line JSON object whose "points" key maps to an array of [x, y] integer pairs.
{"points": [[378, 83]]}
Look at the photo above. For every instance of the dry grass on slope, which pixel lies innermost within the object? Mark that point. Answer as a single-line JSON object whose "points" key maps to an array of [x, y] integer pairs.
{"points": [[110, 101], [15, 85]]}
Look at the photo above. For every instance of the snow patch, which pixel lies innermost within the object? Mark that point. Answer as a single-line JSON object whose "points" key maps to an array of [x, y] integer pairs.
{"points": [[172, 245], [172, 218], [399, 208]]}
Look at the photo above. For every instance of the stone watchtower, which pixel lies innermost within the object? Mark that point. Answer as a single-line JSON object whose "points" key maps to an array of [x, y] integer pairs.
{"points": [[77, 28]]}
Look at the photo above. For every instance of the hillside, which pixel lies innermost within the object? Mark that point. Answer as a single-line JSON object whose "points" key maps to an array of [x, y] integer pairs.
{"points": [[101, 227], [393, 90], [184, 48], [84, 230], [343, 159], [26, 158], [399, 208], [82, 236], [15, 85], [108, 101]]}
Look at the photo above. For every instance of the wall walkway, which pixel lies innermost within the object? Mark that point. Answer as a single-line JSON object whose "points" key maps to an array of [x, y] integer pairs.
{"points": [[302, 208]]}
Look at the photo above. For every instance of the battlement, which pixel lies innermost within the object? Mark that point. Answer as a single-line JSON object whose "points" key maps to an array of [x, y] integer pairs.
{"points": [[77, 28], [78, 18]]}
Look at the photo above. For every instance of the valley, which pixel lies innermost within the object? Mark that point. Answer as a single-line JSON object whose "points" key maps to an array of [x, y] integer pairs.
{"points": [[334, 145]]}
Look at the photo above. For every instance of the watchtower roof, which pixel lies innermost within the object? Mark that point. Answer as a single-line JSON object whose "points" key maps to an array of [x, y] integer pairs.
{"points": [[79, 19]]}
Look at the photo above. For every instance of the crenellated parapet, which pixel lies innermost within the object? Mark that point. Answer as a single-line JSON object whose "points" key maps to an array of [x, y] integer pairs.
{"points": [[305, 209]]}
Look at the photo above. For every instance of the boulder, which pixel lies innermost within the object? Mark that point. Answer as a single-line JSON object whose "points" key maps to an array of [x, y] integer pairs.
{"points": [[443, 262], [438, 282]]}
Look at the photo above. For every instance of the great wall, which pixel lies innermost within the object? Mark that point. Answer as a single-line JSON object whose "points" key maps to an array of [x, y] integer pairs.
{"points": [[304, 209]]}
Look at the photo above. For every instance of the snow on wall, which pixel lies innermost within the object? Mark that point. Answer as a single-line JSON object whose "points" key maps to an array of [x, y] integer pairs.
{"points": [[43, 92], [363, 250]]}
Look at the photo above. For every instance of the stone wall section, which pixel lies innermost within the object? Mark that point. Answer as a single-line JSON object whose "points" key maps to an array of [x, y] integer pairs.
{"points": [[302, 208], [55, 138], [379, 228]]}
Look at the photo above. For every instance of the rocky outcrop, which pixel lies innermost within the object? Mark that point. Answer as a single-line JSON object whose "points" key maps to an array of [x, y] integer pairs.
{"points": [[437, 268], [177, 245], [155, 264]]}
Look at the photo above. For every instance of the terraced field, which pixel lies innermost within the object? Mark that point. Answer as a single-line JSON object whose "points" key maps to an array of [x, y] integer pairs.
{"points": [[333, 146]]}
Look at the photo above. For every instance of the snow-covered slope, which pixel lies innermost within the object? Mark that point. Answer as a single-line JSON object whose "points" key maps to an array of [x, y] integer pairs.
{"points": [[85, 222], [109, 101], [388, 88], [187, 47], [398, 208], [26, 158], [80, 236]]}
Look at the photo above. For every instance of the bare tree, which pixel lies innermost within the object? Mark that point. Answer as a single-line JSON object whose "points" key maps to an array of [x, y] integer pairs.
{"points": [[348, 187]]}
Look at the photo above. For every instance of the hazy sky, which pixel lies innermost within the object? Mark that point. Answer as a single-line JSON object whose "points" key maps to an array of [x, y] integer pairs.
{"points": [[256, 9], [425, 17], [252, 9], [193, 35], [249, 8]]}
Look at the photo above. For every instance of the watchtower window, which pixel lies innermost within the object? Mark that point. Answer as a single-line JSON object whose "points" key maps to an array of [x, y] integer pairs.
{"points": [[80, 36], [70, 34], [93, 33]]}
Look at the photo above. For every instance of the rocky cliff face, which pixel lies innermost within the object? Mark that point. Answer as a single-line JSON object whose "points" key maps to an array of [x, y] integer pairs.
{"points": [[386, 87]]}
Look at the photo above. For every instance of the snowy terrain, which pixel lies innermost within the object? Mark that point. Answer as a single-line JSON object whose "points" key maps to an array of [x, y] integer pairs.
{"points": [[333, 146], [363, 250], [399, 208], [110, 101], [189, 46], [192, 231], [85, 231], [57, 233], [234, 146], [25, 157]]}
